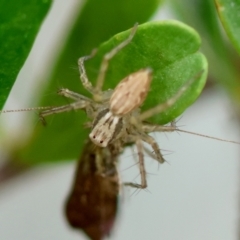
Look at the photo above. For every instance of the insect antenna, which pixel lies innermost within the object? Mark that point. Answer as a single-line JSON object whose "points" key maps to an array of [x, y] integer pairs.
{"points": [[25, 109]]}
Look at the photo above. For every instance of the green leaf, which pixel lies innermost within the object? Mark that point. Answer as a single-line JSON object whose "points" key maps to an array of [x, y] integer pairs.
{"points": [[202, 16], [19, 24], [91, 28], [228, 11], [170, 48]]}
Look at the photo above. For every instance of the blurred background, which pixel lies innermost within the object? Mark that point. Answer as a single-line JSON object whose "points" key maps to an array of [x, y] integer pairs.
{"points": [[195, 195]]}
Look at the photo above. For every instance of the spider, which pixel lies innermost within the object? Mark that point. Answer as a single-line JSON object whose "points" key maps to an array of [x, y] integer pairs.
{"points": [[115, 114]]}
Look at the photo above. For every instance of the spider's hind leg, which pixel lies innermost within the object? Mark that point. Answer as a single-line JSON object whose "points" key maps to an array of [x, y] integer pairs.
{"points": [[151, 141], [160, 128], [141, 167], [171, 101]]}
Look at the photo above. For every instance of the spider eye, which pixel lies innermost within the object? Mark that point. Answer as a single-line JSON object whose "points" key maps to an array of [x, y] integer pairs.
{"points": [[94, 136], [101, 141]]}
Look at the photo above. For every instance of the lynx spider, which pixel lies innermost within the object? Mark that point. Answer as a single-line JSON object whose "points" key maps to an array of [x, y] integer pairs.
{"points": [[115, 113]]}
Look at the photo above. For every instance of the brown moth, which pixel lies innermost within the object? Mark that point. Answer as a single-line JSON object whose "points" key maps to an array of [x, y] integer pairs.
{"points": [[93, 201]]}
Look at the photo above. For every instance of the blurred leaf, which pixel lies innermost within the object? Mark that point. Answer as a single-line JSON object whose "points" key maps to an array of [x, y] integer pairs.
{"points": [[203, 17], [169, 48], [20, 22], [228, 11]]}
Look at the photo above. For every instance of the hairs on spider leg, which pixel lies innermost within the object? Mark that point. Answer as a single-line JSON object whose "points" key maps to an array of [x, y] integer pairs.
{"points": [[135, 164]]}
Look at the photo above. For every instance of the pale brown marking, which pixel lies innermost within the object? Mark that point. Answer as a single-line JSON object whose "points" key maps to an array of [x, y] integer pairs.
{"points": [[131, 92]]}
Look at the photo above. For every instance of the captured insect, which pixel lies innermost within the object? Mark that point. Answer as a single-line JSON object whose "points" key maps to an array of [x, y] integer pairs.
{"points": [[93, 201], [115, 116]]}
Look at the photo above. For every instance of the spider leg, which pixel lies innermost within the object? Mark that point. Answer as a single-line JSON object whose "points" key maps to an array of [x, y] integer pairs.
{"points": [[141, 167], [150, 153], [109, 55], [64, 108], [83, 75], [151, 141], [158, 128], [73, 95], [171, 101]]}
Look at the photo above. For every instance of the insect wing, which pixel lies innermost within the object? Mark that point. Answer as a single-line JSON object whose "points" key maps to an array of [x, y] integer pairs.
{"points": [[92, 203]]}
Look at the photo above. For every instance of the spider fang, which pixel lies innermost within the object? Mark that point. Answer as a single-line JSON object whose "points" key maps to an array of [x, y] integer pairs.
{"points": [[106, 127]]}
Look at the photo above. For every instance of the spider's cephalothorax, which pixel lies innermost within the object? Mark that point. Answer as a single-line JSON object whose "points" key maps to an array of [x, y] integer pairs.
{"points": [[115, 115]]}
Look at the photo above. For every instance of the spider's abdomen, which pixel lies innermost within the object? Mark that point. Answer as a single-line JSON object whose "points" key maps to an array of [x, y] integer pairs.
{"points": [[131, 92]]}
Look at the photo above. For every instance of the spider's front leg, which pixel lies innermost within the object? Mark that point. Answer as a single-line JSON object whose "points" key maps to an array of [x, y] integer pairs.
{"points": [[108, 56], [79, 97], [83, 75], [98, 95], [73, 95], [65, 108]]}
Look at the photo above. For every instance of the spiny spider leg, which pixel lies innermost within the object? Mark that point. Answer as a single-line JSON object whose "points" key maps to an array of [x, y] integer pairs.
{"points": [[170, 102], [83, 75], [141, 168], [64, 108], [150, 153], [154, 128], [109, 55], [150, 140], [73, 95]]}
